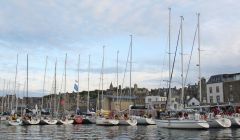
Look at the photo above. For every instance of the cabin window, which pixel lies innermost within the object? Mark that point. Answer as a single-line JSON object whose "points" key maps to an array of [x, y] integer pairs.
{"points": [[218, 99], [217, 89], [210, 89]]}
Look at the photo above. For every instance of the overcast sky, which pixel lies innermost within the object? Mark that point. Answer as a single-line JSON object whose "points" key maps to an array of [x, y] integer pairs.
{"points": [[53, 28]]}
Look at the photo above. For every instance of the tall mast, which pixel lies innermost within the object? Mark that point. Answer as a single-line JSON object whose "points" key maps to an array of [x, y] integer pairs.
{"points": [[4, 84], [102, 75], [27, 84], [89, 59], [169, 54], [117, 79], [16, 84], [55, 86], [182, 59], [199, 61], [78, 81], [65, 83], [44, 80], [130, 70], [17, 97]]}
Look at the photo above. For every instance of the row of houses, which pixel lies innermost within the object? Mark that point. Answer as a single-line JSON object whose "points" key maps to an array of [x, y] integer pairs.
{"points": [[219, 89]]}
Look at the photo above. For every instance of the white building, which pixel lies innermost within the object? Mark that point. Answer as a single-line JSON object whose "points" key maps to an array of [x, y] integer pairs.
{"points": [[220, 88], [193, 102], [158, 102]]}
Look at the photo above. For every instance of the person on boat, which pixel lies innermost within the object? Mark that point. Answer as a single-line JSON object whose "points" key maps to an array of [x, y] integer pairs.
{"points": [[180, 114], [185, 115], [125, 116]]}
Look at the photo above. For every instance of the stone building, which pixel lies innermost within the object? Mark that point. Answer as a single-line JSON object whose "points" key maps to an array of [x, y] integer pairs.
{"points": [[223, 88]]}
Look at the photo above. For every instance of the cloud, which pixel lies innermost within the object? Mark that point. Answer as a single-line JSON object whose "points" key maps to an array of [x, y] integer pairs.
{"points": [[54, 28]]}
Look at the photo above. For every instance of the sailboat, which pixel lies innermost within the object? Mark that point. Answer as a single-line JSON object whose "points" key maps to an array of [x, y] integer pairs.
{"points": [[125, 119], [45, 120], [89, 117], [101, 119], [78, 118], [28, 119], [65, 118], [183, 121], [15, 120]]}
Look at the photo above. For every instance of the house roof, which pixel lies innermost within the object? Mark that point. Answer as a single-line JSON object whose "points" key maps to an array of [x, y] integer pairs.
{"points": [[223, 78]]}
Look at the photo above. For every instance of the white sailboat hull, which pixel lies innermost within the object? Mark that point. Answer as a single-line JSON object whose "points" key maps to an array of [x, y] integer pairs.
{"points": [[34, 121], [48, 121], [144, 121], [106, 122], [183, 124], [132, 122], [235, 121], [65, 122], [219, 123], [15, 122]]}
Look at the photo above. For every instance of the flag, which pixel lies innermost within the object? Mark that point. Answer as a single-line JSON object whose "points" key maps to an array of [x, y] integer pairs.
{"points": [[76, 85]]}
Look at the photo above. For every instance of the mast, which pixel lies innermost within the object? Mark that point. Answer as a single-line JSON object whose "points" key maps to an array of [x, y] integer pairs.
{"points": [[27, 84], [17, 97], [55, 87], [102, 75], [182, 100], [15, 84], [44, 78], [130, 67], [4, 84], [78, 82], [89, 58], [117, 78], [199, 61], [169, 54], [65, 83]]}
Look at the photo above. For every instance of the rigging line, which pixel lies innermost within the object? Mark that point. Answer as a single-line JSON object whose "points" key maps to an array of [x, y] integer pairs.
{"points": [[194, 38], [161, 75], [125, 69], [173, 63]]}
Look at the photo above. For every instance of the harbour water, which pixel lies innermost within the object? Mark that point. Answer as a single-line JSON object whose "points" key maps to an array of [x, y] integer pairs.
{"points": [[150, 132]]}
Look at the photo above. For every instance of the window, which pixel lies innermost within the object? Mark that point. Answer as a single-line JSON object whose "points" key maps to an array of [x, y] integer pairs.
{"points": [[217, 89], [149, 100], [218, 99], [231, 98], [230, 87], [211, 99], [210, 89]]}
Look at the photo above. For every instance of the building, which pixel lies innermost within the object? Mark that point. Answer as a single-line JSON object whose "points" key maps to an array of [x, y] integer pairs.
{"points": [[223, 88], [157, 102], [111, 102], [193, 102]]}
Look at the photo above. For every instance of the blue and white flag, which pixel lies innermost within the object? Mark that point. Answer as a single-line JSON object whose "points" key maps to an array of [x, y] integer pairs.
{"points": [[76, 85]]}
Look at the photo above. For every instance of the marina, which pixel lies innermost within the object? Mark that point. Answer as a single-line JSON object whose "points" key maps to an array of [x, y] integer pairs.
{"points": [[119, 70]]}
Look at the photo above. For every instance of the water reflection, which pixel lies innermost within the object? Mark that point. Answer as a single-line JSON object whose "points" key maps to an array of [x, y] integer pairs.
{"points": [[150, 132]]}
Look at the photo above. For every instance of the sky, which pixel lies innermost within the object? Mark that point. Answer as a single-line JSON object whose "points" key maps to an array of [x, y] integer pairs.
{"points": [[55, 28]]}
